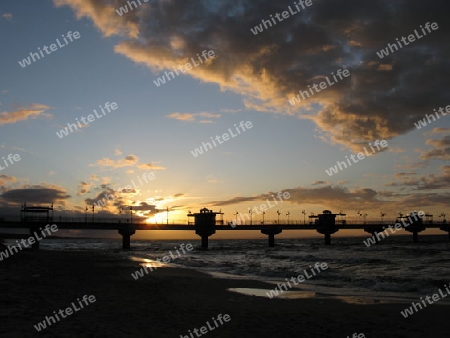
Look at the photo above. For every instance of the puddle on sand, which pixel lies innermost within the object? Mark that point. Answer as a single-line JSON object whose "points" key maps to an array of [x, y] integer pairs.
{"points": [[149, 263], [264, 292]]}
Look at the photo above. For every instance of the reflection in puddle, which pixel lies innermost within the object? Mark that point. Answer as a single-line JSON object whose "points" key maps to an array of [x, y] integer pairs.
{"points": [[363, 300], [149, 263], [266, 293]]}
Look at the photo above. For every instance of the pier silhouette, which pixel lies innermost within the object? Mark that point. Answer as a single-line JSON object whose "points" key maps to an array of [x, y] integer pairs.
{"points": [[205, 224]]}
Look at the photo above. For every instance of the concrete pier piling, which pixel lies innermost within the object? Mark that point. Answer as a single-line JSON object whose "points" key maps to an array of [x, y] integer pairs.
{"points": [[271, 231], [127, 231]]}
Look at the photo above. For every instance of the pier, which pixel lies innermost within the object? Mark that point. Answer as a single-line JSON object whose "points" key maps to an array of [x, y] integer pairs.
{"points": [[205, 224]]}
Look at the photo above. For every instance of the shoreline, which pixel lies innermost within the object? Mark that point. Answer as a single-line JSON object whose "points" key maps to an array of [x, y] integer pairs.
{"points": [[170, 301]]}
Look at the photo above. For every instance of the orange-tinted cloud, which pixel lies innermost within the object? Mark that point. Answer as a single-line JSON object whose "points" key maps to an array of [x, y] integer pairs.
{"points": [[380, 100], [33, 111], [203, 117], [128, 161]]}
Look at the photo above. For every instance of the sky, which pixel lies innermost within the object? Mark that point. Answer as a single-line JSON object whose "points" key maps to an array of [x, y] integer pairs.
{"points": [[115, 58]]}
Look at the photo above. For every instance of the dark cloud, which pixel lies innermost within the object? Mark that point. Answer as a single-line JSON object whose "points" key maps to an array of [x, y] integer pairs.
{"points": [[380, 100], [36, 194], [339, 198], [328, 195], [319, 183], [425, 182]]}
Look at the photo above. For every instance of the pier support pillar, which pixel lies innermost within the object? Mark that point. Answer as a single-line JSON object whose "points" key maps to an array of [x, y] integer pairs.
{"points": [[205, 242], [374, 236], [127, 231], [271, 231], [327, 239], [126, 241], [35, 245], [271, 240], [415, 237]]}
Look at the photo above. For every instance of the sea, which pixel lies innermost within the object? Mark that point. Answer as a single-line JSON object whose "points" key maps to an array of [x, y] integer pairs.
{"points": [[393, 270]]}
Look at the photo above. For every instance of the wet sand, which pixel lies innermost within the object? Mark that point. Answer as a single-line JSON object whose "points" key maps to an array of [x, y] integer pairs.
{"points": [[170, 301]]}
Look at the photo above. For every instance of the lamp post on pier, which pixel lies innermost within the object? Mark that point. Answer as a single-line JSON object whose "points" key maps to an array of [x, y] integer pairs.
{"points": [[382, 214], [235, 214]]}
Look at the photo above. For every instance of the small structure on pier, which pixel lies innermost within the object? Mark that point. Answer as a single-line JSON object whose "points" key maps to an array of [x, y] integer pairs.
{"points": [[415, 223], [205, 223], [326, 224], [34, 218]]}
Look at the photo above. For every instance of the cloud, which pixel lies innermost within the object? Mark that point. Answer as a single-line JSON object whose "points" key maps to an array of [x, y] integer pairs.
{"points": [[338, 198], [182, 117], [104, 16], [334, 197], [6, 180], [212, 179], [230, 111], [130, 160], [205, 117], [385, 67], [148, 166], [85, 188], [319, 182], [36, 194], [33, 111], [106, 162], [404, 174], [441, 149], [440, 130], [424, 182], [378, 101]]}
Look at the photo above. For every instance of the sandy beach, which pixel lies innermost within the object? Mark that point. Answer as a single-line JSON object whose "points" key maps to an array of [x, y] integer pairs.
{"points": [[169, 302]]}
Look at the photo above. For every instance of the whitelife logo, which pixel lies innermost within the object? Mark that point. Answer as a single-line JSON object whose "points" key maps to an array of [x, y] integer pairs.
{"points": [[319, 267], [162, 80], [361, 156], [261, 209], [90, 118], [225, 137], [11, 158], [65, 313], [417, 306], [53, 48], [124, 9], [376, 238], [284, 14], [166, 259], [411, 38], [323, 85], [204, 330], [109, 197], [31, 240], [423, 123]]}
